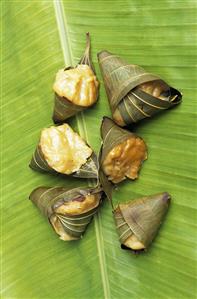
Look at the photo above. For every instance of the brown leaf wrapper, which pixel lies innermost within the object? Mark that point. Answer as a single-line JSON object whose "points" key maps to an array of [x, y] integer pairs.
{"points": [[141, 217], [63, 108], [47, 199], [88, 170], [121, 82], [112, 135]]}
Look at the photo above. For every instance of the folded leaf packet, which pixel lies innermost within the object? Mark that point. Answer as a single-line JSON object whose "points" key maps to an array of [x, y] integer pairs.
{"points": [[133, 93], [69, 211], [122, 152], [76, 88], [138, 221], [61, 150]]}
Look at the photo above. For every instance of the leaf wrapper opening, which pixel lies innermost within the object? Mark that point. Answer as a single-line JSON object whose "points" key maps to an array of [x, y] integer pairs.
{"points": [[87, 170], [113, 136]]}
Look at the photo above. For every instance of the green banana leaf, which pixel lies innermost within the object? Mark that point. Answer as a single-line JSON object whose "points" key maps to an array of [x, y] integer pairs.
{"points": [[39, 37]]}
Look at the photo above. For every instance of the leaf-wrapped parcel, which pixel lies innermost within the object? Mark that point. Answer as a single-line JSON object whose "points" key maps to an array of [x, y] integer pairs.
{"points": [[69, 211], [61, 150], [122, 152], [138, 221], [133, 93], [76, 88]]}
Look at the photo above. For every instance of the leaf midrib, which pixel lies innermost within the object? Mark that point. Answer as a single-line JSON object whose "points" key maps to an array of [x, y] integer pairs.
{"points": [[81, 124]]}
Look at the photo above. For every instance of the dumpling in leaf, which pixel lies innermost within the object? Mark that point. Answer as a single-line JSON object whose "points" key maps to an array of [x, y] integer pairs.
{"points": [[61, 150], [69, 211], [138, 221]]}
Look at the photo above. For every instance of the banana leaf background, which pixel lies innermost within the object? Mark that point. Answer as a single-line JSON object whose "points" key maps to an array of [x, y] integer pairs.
{"points": [[39, 37]]}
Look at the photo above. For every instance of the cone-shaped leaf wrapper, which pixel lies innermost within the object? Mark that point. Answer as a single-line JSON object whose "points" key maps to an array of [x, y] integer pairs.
{"points": [[61, 150], [122, 152], [132, 92], [138, 221], [69, 211], [75, 88]]}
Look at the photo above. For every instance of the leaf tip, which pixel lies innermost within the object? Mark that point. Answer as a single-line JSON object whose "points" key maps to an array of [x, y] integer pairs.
{"points": [[166, 198], [103, 54]]}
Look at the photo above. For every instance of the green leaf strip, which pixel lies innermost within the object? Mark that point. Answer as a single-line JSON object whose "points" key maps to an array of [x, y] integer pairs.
{"points": [[66, 46]]}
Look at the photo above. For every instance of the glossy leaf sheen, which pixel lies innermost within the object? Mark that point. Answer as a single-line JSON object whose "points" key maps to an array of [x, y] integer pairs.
{"points": [[159, 36]]}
